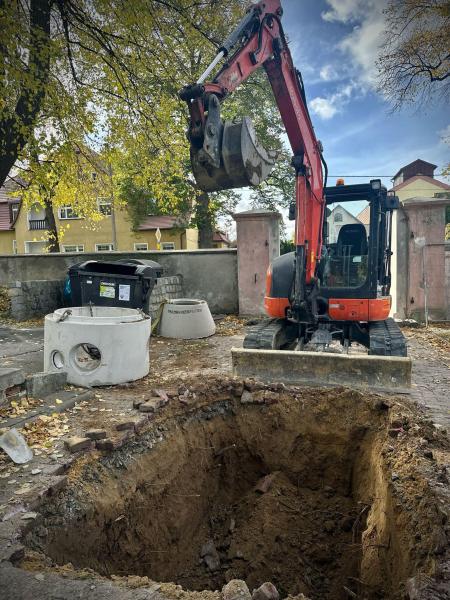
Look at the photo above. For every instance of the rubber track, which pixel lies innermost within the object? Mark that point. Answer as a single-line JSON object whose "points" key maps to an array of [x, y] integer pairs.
{"points": [[267, 335], [386, 339]]}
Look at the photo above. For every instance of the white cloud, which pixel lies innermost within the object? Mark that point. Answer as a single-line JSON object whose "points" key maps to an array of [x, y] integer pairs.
{"points": [[362, 44], [444, 134], [326, 73], [326, 108], [323, 107], [345, 11]]}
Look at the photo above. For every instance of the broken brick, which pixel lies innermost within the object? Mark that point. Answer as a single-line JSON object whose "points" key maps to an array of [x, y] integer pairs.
{"points": [[95, 434], [252, 397], [236, 589], [264, 484], [77, 444], [162, 394], [108, 444], [152, 405], [125, 425], [271, 397], [267, 591]]}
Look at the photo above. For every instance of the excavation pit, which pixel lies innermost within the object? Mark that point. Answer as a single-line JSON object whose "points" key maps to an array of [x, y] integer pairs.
{"points": [[299, 491]]}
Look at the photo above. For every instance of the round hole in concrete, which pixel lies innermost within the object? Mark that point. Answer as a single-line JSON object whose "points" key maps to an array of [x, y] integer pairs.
{"points": [[298, 493], [57, 359], [86, 357]]}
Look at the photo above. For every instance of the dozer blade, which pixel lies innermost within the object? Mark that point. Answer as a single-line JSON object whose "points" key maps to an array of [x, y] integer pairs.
{"points": [[384, 373], [243, 161]]}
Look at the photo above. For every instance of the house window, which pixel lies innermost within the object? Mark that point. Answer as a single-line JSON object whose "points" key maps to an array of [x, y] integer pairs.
{"points": [[32, 247], [73, 248], [140, 247], [14, 246], [168, 246], [14, 211], [104, 247], [338, 217], [104, 206], [67, 212]]}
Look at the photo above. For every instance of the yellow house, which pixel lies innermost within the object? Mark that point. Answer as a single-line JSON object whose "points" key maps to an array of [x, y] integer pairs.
{"points": [[113, 232], [9, 207]]}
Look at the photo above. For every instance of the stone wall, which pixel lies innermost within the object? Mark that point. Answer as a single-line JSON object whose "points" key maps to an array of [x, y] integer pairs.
{"points": [[35, 282], [423, 260], [30, 299]]}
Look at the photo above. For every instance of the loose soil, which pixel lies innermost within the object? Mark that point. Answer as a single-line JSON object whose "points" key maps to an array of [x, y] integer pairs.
{"points": [[321, 492]]}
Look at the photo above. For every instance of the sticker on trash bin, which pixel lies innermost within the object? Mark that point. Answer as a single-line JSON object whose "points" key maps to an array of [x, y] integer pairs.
{"points": [[124, 292], [107, 290]]}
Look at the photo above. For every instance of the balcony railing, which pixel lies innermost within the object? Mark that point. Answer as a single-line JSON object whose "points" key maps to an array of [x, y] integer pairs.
{"points": [[35, 224]]}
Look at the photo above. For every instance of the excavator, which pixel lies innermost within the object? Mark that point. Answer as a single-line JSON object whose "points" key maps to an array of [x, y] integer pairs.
{"points": [[331, 292]]}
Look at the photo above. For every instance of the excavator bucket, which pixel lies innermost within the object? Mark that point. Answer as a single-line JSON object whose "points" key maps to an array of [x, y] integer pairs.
{"points": [[240, 160]]}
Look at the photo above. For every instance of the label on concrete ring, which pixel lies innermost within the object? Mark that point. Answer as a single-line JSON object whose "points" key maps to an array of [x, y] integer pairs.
{"points": [[184, 312], [107, 289], [124, 292]]}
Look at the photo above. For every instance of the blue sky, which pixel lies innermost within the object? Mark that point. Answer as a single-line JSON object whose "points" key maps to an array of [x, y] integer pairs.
{"points": [[335, 43]]}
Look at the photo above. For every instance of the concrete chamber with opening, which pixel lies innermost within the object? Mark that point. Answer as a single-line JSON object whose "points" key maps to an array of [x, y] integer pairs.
{"points": [[97, 345]]}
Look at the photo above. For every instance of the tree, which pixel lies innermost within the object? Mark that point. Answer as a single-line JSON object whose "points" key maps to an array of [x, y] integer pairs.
{"points": [[414, 64], [87, 59]]}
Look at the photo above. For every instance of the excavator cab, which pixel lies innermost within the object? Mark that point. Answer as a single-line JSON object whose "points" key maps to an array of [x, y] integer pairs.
{"points": [[227, 154]]}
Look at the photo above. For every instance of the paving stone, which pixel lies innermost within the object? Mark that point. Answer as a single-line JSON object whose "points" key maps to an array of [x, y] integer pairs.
{"points": [[77, 444], [40, 385], [95, 434], [267, 591]]}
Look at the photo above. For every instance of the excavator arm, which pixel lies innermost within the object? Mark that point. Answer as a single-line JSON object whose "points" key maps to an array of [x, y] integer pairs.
{"points": [[227, 155]]}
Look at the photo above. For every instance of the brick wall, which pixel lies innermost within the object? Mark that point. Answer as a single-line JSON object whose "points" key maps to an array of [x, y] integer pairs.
{"points": [[166, 288]]}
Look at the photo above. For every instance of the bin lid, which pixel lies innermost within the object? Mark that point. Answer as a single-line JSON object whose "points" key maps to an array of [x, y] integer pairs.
{"points": [[118, 267]]}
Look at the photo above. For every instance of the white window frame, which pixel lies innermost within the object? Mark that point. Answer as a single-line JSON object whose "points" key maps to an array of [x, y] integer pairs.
{"points": [[65, 209], [78, 247], [34, 242], [136, 249], [111, 247], [171, 244], [14, 246], [103, 201]]}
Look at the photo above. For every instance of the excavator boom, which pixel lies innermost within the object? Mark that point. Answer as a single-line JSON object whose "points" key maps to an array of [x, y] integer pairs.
{"points": [[225, 155]]}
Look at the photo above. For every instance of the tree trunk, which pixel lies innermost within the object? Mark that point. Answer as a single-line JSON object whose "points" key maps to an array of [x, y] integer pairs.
{"points": [[205, 221], [53, 240], [15, 129]]}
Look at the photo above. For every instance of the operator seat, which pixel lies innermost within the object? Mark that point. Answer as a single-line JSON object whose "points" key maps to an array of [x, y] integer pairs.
{"points": [[353, 238]]}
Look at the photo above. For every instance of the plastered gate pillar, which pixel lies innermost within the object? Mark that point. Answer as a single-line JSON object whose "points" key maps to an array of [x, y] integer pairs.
{"points": [[258, 243]]}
